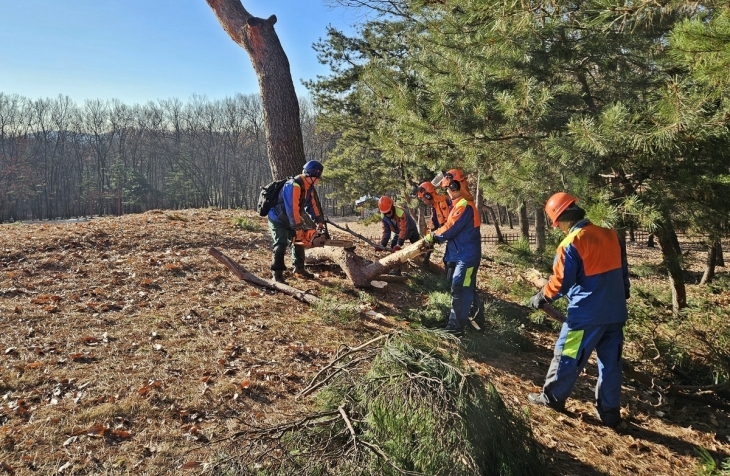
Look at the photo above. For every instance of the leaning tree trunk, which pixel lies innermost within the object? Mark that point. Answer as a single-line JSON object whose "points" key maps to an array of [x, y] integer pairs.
{"points": [[539, 231], [710, 264], [668, 243], [278, 97], [495, 220]]}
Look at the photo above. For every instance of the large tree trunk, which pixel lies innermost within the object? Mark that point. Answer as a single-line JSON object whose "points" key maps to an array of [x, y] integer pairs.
{"points": [[669, 244], [539, 231], [278, 97], [524, 222]]}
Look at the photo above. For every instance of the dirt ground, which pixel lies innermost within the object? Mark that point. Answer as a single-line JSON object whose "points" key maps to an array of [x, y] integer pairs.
{"points": [[125, 348]]}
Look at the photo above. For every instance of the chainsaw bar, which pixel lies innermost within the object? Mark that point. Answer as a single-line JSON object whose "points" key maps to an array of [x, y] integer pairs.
{"points": [[320, 243]]}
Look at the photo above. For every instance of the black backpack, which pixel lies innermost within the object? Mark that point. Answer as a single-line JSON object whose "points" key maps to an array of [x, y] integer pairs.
{"points": [[268, 196]]}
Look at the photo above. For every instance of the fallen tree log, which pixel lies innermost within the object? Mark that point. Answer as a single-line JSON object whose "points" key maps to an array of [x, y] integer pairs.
{"points": [[361, 271], [241, 272]]}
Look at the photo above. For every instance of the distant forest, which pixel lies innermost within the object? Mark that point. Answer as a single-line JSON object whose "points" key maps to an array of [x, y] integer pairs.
{"points": [[59, 159]]}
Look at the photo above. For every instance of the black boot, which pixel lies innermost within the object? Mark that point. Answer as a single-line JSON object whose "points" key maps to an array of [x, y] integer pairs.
{"points": [[279, 276], [303, 273]]}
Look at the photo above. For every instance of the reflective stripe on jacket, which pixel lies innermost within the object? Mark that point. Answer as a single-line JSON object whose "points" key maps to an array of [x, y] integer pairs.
{"points": [[462, 234], [440, 211], [402, 224], [297, 191], [590, 269]]}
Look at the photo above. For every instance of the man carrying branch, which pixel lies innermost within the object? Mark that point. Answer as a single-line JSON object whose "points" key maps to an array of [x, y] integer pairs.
{"points": [[590, 269]]}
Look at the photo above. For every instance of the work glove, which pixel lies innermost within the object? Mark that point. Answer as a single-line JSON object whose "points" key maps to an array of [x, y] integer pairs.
{"points": [[429, 238], [396, 248], [320, 227], [538, 300], [379, 248]]}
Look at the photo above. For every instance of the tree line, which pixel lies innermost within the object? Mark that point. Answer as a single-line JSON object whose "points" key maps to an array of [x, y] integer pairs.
{"points": [[61, 159]]}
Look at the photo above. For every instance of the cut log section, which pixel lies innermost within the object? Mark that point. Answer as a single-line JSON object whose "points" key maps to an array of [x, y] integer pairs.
{"points": [[361, 272]]}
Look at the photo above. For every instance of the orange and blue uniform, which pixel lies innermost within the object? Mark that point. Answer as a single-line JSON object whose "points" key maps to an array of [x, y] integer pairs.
{"points": [[295, 199], [296, 196], [463, 255], [591, 270], [440, 211], [461, 232], [402, 226]]}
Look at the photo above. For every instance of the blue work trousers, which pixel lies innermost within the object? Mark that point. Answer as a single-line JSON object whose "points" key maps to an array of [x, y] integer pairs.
{"points": [[463, 287], [572, 350]]}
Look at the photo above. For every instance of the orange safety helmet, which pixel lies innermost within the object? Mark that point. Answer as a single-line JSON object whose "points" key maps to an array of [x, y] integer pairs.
{"points": [[426, 190], [557, 204], [453, 179], [385, 204]]}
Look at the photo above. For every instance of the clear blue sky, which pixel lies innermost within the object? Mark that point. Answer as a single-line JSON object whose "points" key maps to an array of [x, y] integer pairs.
{"points": [[144, 50]]}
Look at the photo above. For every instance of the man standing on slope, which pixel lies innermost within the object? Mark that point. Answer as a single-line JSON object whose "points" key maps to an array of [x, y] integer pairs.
{"points": [[590, 268], [293, 218], [463, 250]]}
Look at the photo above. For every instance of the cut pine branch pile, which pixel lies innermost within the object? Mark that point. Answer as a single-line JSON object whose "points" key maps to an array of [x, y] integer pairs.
{"points": [[462, 425]]}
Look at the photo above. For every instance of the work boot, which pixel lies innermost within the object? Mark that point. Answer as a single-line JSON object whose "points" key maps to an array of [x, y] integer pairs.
{"points": [[303, 273], [279, 276], [542, 399], [610, 417]]}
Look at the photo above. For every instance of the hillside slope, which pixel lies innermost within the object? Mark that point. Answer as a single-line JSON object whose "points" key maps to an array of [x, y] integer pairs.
{"points": [[126, 349]]}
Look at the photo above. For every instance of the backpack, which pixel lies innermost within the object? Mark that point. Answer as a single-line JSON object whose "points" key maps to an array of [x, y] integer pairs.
{"points": [[269, 196]]}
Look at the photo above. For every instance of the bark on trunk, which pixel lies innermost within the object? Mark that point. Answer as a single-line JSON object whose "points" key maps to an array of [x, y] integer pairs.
{"points": [[720, 257], [253, 279], [495, 220], [361, 272], [539, 231], [279, 100], [667, 238], [524, 222], [710, 264]]}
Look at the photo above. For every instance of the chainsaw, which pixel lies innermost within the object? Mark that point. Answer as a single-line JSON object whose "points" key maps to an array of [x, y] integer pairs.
{"points": [[317, 239]]}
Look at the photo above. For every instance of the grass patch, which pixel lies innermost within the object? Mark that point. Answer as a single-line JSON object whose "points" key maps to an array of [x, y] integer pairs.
{"points": [[333, 310], [648, 270], [244, 223], [435, 313]]}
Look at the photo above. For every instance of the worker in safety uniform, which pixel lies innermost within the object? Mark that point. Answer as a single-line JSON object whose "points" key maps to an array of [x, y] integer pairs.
{"points": [[398, 223], [461, 232], [293, 219], [440, 204], [590, 269]]}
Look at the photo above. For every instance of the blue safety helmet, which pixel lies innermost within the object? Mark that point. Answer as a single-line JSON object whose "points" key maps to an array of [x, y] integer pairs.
{"points": [[313, 168]]}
